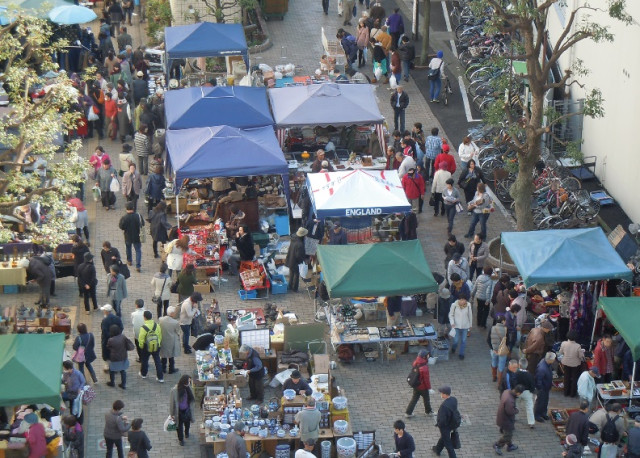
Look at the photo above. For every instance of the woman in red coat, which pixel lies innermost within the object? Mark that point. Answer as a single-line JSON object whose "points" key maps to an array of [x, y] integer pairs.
{"points": [[603, 358], [35, 437], [421, 362]]}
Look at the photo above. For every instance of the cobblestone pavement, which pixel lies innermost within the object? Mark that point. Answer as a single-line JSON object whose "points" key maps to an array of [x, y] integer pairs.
{"points": [[377, 392]]}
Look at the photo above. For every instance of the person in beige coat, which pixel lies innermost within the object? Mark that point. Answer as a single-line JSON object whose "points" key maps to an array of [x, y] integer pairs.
{"points": [[438, 186], [170, 344]]}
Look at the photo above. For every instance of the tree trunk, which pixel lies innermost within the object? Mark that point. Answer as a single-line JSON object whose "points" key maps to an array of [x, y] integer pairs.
{"points": [[522, 190], [424, 30]]}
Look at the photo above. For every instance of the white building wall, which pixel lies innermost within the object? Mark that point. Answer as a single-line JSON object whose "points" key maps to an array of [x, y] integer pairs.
{"points": [[615, 70]]}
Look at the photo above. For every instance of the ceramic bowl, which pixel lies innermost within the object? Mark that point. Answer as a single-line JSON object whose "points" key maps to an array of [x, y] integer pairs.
{"points": [[323, 378], [216, 418], [261, 422], [346, 447], [319, 397], [280, 433], [223, 435], [208, 423], [339, 403], [340, 426], [263, 433], [216, 425], [222, 455], [255, 409], [289, 394], [225, 427], [254, 430]]}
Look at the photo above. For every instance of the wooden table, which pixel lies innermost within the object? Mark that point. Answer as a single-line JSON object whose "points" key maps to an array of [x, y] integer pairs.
{"points": [[13, 275]]}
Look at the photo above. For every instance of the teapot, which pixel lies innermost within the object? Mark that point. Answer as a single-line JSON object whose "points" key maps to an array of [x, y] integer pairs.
{"points": [[264, 412]]}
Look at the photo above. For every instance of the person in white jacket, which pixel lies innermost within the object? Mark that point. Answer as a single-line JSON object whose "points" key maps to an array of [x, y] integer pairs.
{"points": [[587, 384], [466, 151], [461, 319]]}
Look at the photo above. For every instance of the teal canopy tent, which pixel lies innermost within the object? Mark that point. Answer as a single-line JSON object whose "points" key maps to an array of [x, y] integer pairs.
{"points": [[378, 269]]}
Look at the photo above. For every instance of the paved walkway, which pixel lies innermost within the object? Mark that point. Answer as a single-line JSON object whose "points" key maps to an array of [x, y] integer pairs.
{"points": [[377, 392]]}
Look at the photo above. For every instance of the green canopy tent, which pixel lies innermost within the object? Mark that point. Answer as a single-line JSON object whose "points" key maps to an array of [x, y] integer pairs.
{"points": [[31, 369], [378, 269], [624, 315]]}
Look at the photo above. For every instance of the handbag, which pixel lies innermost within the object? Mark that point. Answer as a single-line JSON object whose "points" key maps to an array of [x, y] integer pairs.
{"points": [[503, 348], [459, 208], [129, 345], [143, 235], [432, 201], [174, 287], [78, 355], [157, 299], [88, 395], [434, 73], [95, 109], [455, 440]]}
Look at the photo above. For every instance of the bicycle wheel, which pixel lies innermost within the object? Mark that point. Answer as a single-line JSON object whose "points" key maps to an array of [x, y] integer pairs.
{"points": [[551, 222], [586, 213], [571, 183], [487, 168], [502, 189]]}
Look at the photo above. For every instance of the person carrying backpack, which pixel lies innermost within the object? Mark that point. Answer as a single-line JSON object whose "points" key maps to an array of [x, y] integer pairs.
{"points": [[420, 381], [149, 342], [448, 422], [611, 425]]}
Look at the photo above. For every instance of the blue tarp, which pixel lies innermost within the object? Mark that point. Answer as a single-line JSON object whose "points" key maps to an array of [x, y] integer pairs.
{"points": [[564, 255], [325, 104], [205, 39], [235, 106], [224, 151]]}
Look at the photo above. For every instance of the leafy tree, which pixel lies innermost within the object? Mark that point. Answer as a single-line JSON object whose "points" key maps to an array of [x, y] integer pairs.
{"points": [[527, 120], [30, 125]]}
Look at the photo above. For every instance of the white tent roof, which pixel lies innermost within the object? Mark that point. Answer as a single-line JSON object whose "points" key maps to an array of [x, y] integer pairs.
{"points": [[356, 193]]}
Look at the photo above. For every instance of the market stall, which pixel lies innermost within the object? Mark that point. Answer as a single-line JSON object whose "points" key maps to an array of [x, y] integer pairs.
{"points": [[564, 255], [31, 369], [235, 106], [208, 39], [366, 201], [363, 270], [624, 314], [345, 114]]}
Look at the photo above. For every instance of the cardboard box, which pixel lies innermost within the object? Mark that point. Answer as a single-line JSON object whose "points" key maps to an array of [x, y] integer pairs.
{"points": [[193, 207], [182, 204], [320, 364], [202, 289], [201, 274]]}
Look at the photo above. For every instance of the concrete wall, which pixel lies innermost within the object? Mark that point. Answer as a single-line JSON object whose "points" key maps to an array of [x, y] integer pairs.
{"points": [[615, 70]]}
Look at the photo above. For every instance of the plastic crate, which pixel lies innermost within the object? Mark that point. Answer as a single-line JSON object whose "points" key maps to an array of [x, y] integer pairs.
{"points": [[244, 295], [10, 289], [278, 284], [282, 225], [260, 238]]}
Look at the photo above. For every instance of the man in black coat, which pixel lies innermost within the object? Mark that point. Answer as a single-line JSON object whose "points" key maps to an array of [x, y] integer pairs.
{"points": [[87, 282], [444, 422], [140, 88], [40, 272], [578, 423], [399, 101], [131, 224], [110, 255], [295, 256]]}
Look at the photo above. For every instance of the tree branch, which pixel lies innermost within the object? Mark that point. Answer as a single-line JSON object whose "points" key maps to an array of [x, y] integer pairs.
{"points": [[27, 199]]}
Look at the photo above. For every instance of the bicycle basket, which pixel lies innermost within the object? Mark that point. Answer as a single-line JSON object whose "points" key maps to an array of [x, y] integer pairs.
{"points": [[475, 51], [583, 197]]}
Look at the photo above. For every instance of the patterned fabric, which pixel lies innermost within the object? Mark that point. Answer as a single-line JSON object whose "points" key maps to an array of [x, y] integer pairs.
{"points": [[433, 146]]}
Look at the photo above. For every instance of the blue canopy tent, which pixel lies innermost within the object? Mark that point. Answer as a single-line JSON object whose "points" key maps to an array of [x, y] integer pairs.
{"points": [[224, 151], [235, 106], [564, 255], [205, 39]]}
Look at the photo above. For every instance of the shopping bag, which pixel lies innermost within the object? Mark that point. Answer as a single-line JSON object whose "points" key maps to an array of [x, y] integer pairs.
{"points": [[78, 355], [303, 268], [432, 201], [169, 425], [452, 333], [114, 186], [459, 208], [96, 193], [92, 116], [392, 82], [88, 394]]}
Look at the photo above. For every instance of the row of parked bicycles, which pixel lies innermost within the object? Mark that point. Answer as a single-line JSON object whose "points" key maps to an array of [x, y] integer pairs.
{"points": [[558, 200]]}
